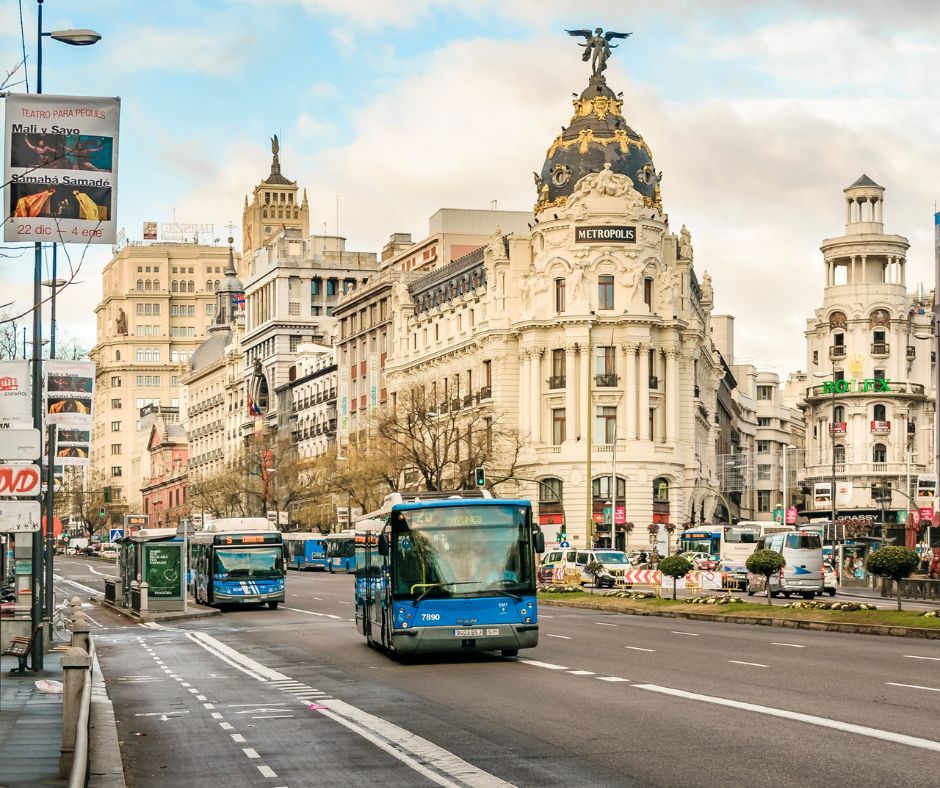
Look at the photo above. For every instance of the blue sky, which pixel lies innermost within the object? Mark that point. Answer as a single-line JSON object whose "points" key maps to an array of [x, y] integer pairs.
{"points": [[758, 113]]}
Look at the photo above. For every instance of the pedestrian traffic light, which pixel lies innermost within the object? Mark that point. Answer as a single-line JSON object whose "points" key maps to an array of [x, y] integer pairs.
{"points": [[481, 477], [101, 513]]}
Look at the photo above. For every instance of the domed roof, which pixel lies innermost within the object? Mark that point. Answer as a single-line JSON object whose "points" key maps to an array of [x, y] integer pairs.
{"points": [[211, 350], [597, 135], [231, 283]]}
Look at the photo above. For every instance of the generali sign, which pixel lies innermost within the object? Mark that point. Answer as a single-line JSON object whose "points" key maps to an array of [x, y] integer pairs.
{"points": [[20, 481]]}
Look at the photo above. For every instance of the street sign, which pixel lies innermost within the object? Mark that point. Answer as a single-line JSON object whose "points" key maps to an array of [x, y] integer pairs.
{"points": [[133, 522], [19, 517], [791, 515], [115, 534], [564, 545], [20, 445], [20, 481]]}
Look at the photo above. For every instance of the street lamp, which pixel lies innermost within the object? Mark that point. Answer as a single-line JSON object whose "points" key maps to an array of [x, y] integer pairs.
{"points": [[73, 38], [54, 284], [832, 434]]}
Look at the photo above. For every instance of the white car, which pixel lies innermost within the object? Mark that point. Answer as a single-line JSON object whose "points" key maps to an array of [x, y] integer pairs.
{"points": [[830, 580]]}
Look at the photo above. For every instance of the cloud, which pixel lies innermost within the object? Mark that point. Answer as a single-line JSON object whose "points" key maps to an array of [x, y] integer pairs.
{"points": [[211, 52], [322, 90]]}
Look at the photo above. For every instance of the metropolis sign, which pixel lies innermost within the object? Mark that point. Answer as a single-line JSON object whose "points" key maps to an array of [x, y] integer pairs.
{"points": [[605, 234]]}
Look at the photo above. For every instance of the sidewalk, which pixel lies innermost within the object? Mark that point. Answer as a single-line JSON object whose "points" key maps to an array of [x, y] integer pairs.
{"points": [[30, 725]]}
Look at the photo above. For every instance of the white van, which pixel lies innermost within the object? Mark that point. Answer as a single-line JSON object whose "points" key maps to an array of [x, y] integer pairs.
{"points": [[803, 572], [615, 563]]}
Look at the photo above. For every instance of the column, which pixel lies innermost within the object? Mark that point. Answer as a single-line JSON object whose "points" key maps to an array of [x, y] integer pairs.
{"points": [[584, 382], [643, 387], [524, 398], [848, 211], [535, 394], [630, 391], [672, 393], [864, 271], [571, 390]]}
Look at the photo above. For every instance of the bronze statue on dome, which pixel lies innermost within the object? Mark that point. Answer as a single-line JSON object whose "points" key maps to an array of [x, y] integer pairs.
{"points": [[597, 47]]}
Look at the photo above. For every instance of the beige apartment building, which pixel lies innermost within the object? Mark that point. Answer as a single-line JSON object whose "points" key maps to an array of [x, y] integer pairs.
{"points": [[157, 303]]}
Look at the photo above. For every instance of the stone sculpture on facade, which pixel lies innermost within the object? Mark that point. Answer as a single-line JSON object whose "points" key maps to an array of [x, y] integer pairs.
{"points": [[685, 244], [121, 323]]}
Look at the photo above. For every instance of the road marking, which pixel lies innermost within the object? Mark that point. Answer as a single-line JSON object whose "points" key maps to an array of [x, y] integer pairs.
{"points": [[187, 684], [200, 697], [823, 722], [561, 637], [308, 612], [100, 574], [542, 615], [253, 705], [581, 672], [86, 589], [234, 658], [274, 717], [208, 705], [790, 645], [261, 709], [163, 715], [225, 726], [251, 753], [752, 664], [538, 664], [216, 716], [611, 678], [266, 771], [914, 656], [637, 648], [604, 624], [193, 690], [318, 599], [237, 737], [690, 634], [912, 686]]}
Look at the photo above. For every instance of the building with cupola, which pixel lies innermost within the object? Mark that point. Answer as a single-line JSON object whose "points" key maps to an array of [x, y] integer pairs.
{"points": [[589, 336], [868, 396]]}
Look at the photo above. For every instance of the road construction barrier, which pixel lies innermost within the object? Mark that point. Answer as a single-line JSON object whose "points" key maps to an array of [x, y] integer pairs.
{"points": [[649, 578]]}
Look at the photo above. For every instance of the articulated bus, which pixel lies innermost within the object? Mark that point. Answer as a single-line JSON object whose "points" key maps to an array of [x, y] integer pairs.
{"points": [[340, 552], [305, 550], [237, 560], [455, 573]]}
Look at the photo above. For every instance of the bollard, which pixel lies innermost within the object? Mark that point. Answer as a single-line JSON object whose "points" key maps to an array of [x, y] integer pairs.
{"points": [[75, 665], [143, 596], [80, 634], [75, 605]]}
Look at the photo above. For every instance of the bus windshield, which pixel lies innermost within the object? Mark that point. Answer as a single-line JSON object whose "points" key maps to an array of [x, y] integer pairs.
{"points": [[699, 544], [256, 563], [461, 551], [343, 547]]}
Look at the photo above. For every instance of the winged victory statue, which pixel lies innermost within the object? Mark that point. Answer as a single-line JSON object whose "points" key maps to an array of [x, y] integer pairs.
{"points": [[597, 47]]}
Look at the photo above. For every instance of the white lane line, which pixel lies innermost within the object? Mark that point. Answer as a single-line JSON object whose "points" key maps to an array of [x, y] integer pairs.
{"points": [[200, 697], [581, 672], [237, 737], [538, 664], [208, 706], [186, 684], [542, 615], [250, 752], [86, 589], [604, 624], [225, 726], [823, 722], [308, 612], [216, 716], [254, 705], [330, 615], [637, 648], [560, 637], [234, 658], [912, 686], [611, 678], [914, 656], [789, 645], [100, 574], [266, 771], [318, 599], [192, 690], [752, 664], [690, 634], [274, 717]]}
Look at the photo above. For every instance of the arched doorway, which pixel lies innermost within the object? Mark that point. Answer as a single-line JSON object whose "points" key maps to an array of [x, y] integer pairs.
{"points": [[609, 514], [661, 500]]}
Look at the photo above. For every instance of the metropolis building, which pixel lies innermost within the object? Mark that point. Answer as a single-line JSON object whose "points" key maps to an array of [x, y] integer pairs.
{"points": [[589, 335]]}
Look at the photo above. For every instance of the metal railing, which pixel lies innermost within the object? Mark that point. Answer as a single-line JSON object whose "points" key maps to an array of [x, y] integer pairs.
{"points": [[556, 382]]}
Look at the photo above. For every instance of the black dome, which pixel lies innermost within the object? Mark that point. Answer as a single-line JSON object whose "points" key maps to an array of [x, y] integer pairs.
{"points": [[597, 135]]}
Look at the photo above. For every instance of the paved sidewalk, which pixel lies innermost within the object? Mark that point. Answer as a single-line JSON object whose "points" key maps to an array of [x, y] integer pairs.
{"points": [[30, 725]]}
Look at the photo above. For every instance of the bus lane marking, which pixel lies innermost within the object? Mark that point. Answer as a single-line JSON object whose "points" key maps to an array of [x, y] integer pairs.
{"points": [[823, 722], [266, 771], [789, 645], [690, 634], [752, 664], [912, 686], [547, 665], [611, 678], [604, 624], [915, 656], [250, 752], [637, 648], [560, 637]]}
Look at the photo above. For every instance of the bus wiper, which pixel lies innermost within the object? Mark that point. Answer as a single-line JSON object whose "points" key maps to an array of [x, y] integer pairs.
{"points": [[500, 592], [429, 587]]}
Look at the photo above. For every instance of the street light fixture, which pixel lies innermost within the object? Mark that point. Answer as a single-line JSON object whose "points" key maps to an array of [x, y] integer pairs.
{"points": [[81, 37]]}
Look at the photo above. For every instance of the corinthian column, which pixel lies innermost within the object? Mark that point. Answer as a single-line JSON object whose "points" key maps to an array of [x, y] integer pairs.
{"points": [[630, 389], [524, 399], [643, 387], [571, 390], [672, 393], [535, 393]]}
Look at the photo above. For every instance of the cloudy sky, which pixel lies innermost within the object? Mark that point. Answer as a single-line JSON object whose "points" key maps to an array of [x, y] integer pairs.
{"points": [[758, 114]]}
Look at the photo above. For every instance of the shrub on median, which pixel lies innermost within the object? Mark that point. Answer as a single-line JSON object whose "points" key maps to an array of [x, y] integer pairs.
{"points": [[847, 606]]}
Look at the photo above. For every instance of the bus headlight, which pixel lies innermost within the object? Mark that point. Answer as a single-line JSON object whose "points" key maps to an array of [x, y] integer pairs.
{"points": [[528, 620], [404, 625], [523, 611]]}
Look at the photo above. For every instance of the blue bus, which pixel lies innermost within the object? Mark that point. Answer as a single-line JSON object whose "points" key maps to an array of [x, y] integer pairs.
{"points": [[454, 573], [237, 560], [305, 550], [340, 552]]}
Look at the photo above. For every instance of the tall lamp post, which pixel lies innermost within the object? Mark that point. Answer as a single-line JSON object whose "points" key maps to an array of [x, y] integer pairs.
{"points": [[74, 38], [832, 435]]}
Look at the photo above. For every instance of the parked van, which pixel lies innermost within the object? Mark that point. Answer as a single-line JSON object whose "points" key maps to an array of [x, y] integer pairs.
{"points": [[803, 572], [615, 563]]}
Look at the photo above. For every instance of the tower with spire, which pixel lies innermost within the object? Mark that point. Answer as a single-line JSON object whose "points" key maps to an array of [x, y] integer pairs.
{"points": [[274, 206]]}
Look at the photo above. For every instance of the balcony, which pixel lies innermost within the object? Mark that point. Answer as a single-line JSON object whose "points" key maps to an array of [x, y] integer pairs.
{"points": [[486, 392], [911, 352], [556, 382], [467, 400], [837, 428], [697, 392], [654, 382], [837, 351], [880, 427], [607, 381], [880, 348]]}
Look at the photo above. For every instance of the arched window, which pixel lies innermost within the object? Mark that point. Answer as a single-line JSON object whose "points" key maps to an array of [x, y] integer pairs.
{"points": [[840, 454], [879, 453], [140, 284], [217, 283], [148, 355], [661, 489], [174, 356], [550, 490], [209, 285], [140, 356], [156, 356], [838, 415], [174, 286], [117, 355], [191, 286], [147, 285], [879, 413]]}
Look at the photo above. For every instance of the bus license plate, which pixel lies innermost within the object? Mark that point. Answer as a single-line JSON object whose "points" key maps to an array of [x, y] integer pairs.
{"points": [[474, 633], [251, 599]]}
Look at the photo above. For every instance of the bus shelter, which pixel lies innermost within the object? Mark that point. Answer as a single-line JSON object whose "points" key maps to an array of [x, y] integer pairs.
{"points": [[150, 571]]}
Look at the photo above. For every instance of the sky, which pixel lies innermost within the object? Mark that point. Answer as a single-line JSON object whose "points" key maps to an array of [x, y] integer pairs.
{"points": [[758, 114]]}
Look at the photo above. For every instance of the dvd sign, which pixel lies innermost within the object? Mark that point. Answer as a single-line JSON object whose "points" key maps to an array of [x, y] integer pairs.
{"points": [[21, 481]]}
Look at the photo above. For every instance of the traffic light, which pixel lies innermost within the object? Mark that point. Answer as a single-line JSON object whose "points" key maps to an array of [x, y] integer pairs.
{"points": [[481, 477], [101, 513]]}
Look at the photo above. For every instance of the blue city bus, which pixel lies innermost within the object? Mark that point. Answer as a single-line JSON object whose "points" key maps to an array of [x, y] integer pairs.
{"points": [[340, 552], [305, 550], [448, 574], [236, 561]]}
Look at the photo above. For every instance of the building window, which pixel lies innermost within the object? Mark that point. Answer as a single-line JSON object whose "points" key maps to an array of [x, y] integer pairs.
{"points": [[840, 454], [294, 343], [115, 448], [606, 424], [558, 426], [488, 373], [879, 453], [116, 382], [316, 311], [838, 414], [331, 287], [140, 284], [140, 309], [879, 413], [550, 490], [210, 310], [293, 309], [763, 473], [648, 292], [115, 426], [763, 500], [174, 286], [560, 295], [115, 404], [765, 393], [316, 285], [763, 447], [605, 291], [605, 372], [879, 374], [557, 379], [115, 470], [764, 421]]}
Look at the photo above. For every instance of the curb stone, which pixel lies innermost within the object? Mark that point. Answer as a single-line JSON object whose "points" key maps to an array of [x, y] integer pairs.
{"points": [[157, 616], [105, 767], [792, 623]]}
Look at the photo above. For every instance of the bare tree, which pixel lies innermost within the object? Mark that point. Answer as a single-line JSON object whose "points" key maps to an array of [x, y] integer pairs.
{"points": [[82, 497]]}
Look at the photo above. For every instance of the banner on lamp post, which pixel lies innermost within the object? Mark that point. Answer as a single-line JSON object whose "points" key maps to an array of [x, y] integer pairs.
{"points": [[60, 164], [15, 402]]}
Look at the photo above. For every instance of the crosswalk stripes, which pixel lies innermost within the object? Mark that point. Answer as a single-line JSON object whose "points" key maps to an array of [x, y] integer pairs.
{"points": [[300, 690]]}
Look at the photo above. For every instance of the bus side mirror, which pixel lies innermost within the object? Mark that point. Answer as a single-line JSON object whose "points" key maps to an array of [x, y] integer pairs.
{"points": [[539, 542], [383, 544]]}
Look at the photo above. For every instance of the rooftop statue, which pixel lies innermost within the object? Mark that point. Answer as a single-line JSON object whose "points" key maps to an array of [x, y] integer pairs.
{"points": [[598, 46]]}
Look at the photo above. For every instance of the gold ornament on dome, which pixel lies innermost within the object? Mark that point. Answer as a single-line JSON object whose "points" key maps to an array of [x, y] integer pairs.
{"points": [[544, 202], [586, 136], [601, 106]]}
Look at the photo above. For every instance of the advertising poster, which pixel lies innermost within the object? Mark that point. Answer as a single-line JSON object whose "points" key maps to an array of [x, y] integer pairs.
{"points": [[60, 162], [373, 382], [926, 486], [70, 389], [822, 495], [343, 404], [15, 406]]}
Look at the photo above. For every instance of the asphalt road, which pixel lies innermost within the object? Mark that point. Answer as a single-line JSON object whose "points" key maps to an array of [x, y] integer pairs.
{"points": [[293, 697]]}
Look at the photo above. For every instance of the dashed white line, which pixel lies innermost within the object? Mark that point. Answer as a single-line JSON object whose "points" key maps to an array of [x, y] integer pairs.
{"points": [[186, 684], [216, 715], [581, 672], [538, 664], [912, 686], [915, 656], [690, 634], [637, 648], [611, 678], [266, 771], [274, 717], [789, 645], [251, 753], [560, 637], [604, 624], [200, 697], [752, 664], [193, 690], [225, 726], [208, 706], [237, 737]]}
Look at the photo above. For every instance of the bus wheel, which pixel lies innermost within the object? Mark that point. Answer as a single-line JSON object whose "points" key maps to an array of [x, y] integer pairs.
{"points": [[272, 605], [510, 652]]}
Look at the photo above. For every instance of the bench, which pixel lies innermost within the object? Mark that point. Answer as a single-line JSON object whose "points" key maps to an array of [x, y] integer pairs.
{"points": [[21, 647]]}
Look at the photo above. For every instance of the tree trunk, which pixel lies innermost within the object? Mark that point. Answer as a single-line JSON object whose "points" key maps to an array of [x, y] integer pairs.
{"points": [[674, 581], [899, 593], [770, 599]]}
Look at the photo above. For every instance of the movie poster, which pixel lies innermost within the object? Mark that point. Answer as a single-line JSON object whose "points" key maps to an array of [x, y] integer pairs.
{"points": [[15, 403], [61, 167], [70, 390]]}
